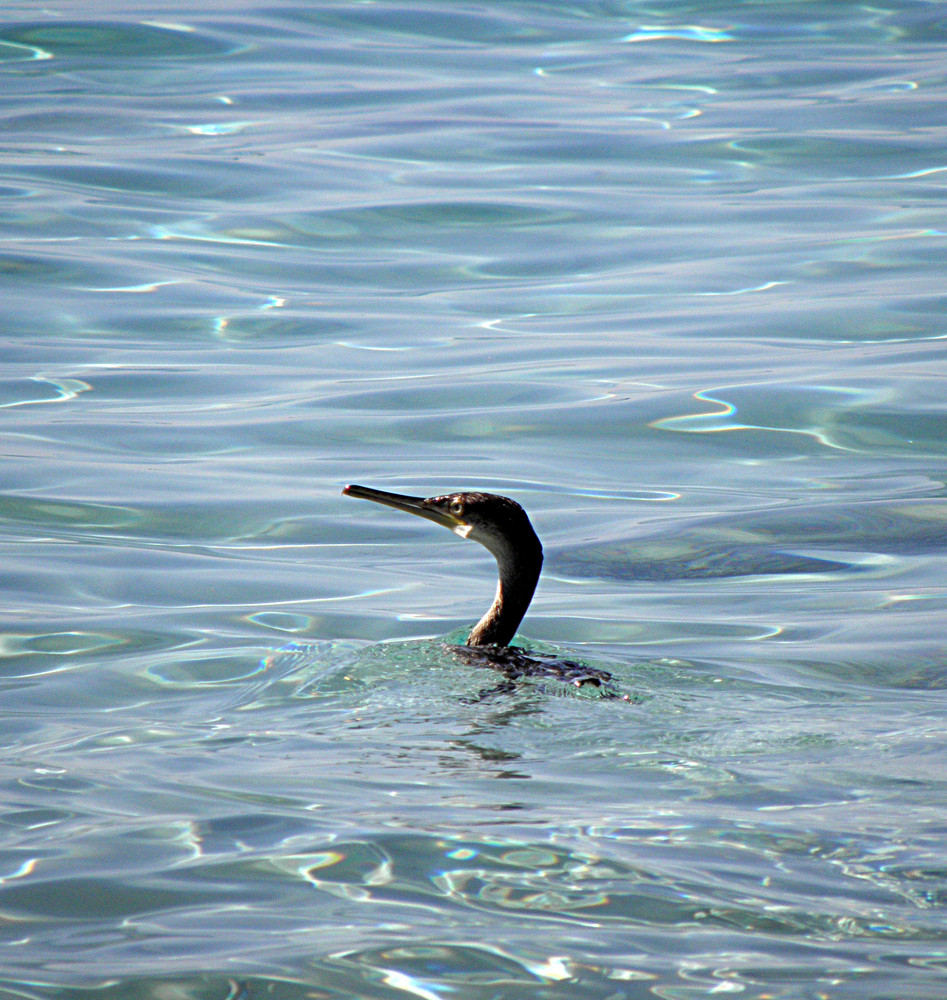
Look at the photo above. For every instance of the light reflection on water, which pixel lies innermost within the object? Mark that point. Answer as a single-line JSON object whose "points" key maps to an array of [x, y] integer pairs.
{"points": [[673, 279]]}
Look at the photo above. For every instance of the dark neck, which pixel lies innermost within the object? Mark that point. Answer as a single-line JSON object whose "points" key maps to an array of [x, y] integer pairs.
{"points": [[519, 573]]}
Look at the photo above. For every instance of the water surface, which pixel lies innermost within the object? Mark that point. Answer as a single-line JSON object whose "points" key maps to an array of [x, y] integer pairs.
{"points": [[671, 276]]}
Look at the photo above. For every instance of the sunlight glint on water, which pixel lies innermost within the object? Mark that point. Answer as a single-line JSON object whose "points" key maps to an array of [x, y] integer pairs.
{"points": [[671, 277]]}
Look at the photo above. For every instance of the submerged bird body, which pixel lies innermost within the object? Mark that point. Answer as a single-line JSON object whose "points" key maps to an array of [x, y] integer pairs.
{"points": [[500, 525]]}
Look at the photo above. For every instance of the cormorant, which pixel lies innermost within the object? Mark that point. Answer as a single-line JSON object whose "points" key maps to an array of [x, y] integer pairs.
{"points": [[501, 525]]}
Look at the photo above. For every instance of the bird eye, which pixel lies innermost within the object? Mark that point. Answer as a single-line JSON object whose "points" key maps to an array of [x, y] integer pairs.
{"points": [[457, 508]]}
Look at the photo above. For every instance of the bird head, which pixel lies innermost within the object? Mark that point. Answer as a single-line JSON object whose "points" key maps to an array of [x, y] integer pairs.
{"points": [[498, 523]]}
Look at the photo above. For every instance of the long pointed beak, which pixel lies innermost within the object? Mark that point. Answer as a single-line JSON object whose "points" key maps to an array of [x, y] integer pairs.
{"points": [[411, 505]]}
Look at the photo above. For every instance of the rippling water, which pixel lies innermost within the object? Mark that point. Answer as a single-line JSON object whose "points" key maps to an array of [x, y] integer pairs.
{"points": [[671, 275]]}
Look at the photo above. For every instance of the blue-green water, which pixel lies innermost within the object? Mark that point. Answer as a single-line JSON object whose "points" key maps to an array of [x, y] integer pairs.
{"points": [[669, 274]]}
